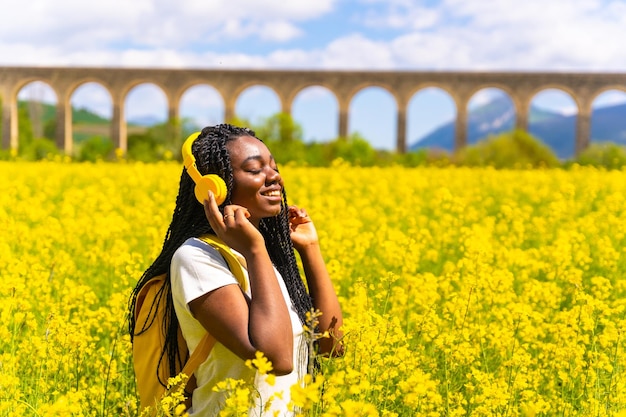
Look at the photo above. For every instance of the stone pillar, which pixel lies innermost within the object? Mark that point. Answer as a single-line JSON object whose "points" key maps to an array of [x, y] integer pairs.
{"points": [[583, 130], [460, 132], [9, 121], [343, 119], [286, 105], [521, 116], [401, 129], [282, 102], [521, 100], [174, 125], [521, 121], [172, 112], [118, 124], [229, 108], [64, 125], [173, 97]]}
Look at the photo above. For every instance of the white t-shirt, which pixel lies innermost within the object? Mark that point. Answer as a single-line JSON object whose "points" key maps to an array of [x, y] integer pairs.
{"points": [[197, 269]]}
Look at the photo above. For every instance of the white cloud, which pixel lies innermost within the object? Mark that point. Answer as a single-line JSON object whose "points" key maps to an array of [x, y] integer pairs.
{"points": [[257, 103], [203, 96], [555, 100], [293, 9], [573, 35], [403, 16], [49, 22], [273, 31], [94, 97], [314, 93], [38, 91], [146, 101], [203, 104], [610, 98], [484, 96], [278, 31], [356, 51], [536, 34], [504, 35], [75, 24]]}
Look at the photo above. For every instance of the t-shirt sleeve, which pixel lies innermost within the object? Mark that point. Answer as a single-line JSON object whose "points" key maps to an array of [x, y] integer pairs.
{"points": [[197, 269]]}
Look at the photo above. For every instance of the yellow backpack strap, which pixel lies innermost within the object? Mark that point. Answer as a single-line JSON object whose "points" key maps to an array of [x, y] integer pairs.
{"points": [[143, 292], [235, 263], [199, 355]]}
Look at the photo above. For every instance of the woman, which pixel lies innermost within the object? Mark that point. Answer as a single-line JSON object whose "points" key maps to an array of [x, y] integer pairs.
{"points": [[203, 295]]}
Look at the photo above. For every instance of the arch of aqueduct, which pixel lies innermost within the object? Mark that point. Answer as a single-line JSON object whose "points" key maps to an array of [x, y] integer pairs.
{"points": [[521, 87]]}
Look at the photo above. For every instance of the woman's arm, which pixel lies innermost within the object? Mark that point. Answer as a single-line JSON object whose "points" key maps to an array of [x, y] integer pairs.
{"points": [[246, 326], [306, 242]]}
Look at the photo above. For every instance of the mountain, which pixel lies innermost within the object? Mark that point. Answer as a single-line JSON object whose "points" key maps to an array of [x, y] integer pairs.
{"points": [[554, 129]]}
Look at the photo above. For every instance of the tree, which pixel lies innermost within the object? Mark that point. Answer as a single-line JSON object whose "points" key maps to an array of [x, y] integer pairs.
{"points": [[516, 149], [280, 128], [25, 129], [158, 142], [95, 148]]}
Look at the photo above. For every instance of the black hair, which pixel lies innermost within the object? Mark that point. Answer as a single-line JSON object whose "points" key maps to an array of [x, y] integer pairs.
{"points": [[189, 220]]}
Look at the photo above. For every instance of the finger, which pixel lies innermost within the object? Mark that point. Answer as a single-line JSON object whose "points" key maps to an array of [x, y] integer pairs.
{"points": [[299, 215], [293, 211], [239, 215], [229, 218], [212, 212], [244, 211]]}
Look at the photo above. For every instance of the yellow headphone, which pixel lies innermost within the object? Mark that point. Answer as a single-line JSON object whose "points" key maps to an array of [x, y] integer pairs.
{"points": [[204, 183]]}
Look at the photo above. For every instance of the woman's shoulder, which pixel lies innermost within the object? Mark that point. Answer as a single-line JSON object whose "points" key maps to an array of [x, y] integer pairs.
{"points": [[196, 249], [196, 269]]}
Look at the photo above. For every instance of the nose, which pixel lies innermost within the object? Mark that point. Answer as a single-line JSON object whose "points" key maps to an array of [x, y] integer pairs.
{"points": [[272, 176]]}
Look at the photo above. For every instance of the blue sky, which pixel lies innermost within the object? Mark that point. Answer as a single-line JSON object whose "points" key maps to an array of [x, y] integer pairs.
{"points": [[472, 35]]}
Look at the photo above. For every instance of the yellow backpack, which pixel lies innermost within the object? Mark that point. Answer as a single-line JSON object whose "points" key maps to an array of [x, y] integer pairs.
{"points": [[148, 345]]}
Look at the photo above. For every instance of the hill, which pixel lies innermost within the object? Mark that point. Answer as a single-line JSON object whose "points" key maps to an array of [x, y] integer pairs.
{"points": [[48, 111], [86, 123], [554, 129]]}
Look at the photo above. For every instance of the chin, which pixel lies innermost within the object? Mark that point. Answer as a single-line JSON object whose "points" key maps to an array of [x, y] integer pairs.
{"points": [[275, 213], [268, 214]]}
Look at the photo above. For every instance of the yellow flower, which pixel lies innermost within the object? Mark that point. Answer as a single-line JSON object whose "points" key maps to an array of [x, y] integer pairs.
{"points": [[260, 363], [464, 291]]}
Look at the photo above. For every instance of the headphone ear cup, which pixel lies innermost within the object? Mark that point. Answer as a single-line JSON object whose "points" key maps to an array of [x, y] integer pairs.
{"points": [[212, 183]]}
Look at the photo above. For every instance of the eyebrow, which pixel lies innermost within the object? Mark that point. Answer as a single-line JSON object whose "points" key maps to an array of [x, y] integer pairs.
{"points": [[258, 158]]}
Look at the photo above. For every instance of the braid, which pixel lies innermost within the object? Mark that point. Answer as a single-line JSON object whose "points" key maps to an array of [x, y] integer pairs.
{"points": [[278, 242], [189, 220]]}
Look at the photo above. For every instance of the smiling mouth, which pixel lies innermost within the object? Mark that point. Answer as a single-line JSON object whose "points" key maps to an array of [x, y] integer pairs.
{"points": [[273, 193]]}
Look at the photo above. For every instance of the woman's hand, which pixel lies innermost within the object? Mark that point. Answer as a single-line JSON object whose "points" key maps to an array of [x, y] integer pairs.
{"points": [[306, 242], [303, 231], [233, 227]]}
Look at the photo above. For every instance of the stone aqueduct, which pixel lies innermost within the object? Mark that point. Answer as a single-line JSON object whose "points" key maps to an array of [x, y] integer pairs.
{"points": [[521, 87]]}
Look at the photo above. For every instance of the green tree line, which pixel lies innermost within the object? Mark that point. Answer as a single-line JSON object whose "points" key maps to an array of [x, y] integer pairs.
{"points": [[284, 136]]}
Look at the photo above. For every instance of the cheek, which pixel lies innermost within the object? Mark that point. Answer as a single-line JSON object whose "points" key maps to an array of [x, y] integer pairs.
{"points": [[246, 191]]}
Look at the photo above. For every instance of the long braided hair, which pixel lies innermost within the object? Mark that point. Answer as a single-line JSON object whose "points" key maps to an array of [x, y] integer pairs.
{"points": [[189, 220]]}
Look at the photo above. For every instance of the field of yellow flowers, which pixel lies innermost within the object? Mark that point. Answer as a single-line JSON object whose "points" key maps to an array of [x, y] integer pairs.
{"points": [[465, 291]]}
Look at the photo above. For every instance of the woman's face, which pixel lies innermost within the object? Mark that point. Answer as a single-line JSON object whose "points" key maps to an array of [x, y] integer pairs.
{"points": [[257, 184]]}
